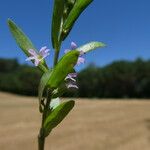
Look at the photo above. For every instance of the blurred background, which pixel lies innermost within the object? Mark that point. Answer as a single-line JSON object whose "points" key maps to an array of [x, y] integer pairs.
{"points": [[112, 103]]}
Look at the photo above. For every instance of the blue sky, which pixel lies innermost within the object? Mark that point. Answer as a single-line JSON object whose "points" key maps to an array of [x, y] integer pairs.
{"points": [[124, 25]]}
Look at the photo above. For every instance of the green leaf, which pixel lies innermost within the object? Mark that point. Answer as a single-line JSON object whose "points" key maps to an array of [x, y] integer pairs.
{"points": [[23, 41], [91, 46], [78, 8], [57, 115], [42, 85], [57, 22], [63, 68]]}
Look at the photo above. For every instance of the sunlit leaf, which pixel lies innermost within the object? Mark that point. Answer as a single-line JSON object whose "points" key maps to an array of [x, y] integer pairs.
{"points": [[57, 115], [63, 68], [22, 40], [91, 46]]}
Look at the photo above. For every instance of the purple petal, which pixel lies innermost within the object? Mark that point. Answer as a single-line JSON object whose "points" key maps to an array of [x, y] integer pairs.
{"points": [[81, 60], [43, 48], [72, 79], [32, 52], [36, 62], [44, 52], [45, 55], [70, 85], [73, 45], [71, 76], [37, 57]]}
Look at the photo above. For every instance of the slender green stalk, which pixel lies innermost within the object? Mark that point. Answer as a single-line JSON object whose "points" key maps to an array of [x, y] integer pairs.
{"points": [[41, 141], [56, 57], [41, 136], [57, 51]]}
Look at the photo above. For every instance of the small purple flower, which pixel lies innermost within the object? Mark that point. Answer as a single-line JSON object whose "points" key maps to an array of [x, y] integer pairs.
{"points": [[70, 85], [44, 52], [71, 81], [81, 59], [73, 45], [38, 57], [71, 76]]}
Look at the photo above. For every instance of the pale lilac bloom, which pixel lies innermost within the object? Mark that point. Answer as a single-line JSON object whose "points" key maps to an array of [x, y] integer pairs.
{"points": [[81, 59], [44, 52], [71, 81], [71, 76], [73, 45], [38, 57], [70, 85]]}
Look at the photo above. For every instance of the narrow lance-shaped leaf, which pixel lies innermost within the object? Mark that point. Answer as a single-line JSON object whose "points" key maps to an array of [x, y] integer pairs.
{"points": [[63, 68], [91, 46], [57, 22], [78, 8], [23, 41], [57, 115]]}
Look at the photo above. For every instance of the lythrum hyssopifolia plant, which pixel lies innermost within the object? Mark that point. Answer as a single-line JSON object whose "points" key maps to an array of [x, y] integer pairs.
{"points": [[56, 80]]}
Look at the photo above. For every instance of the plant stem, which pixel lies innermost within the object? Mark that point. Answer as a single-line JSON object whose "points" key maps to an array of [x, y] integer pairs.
{"points": [[46, 108], [57, 51], [41, 142], [56, 57], [41, 136]]}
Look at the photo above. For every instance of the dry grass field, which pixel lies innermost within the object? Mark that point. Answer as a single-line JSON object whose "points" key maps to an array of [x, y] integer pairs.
{"points": [[92, 125]]}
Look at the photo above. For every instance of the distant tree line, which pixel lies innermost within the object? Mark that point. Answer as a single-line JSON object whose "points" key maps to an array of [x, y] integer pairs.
{"points": [[121, 79], [16, 78]]}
